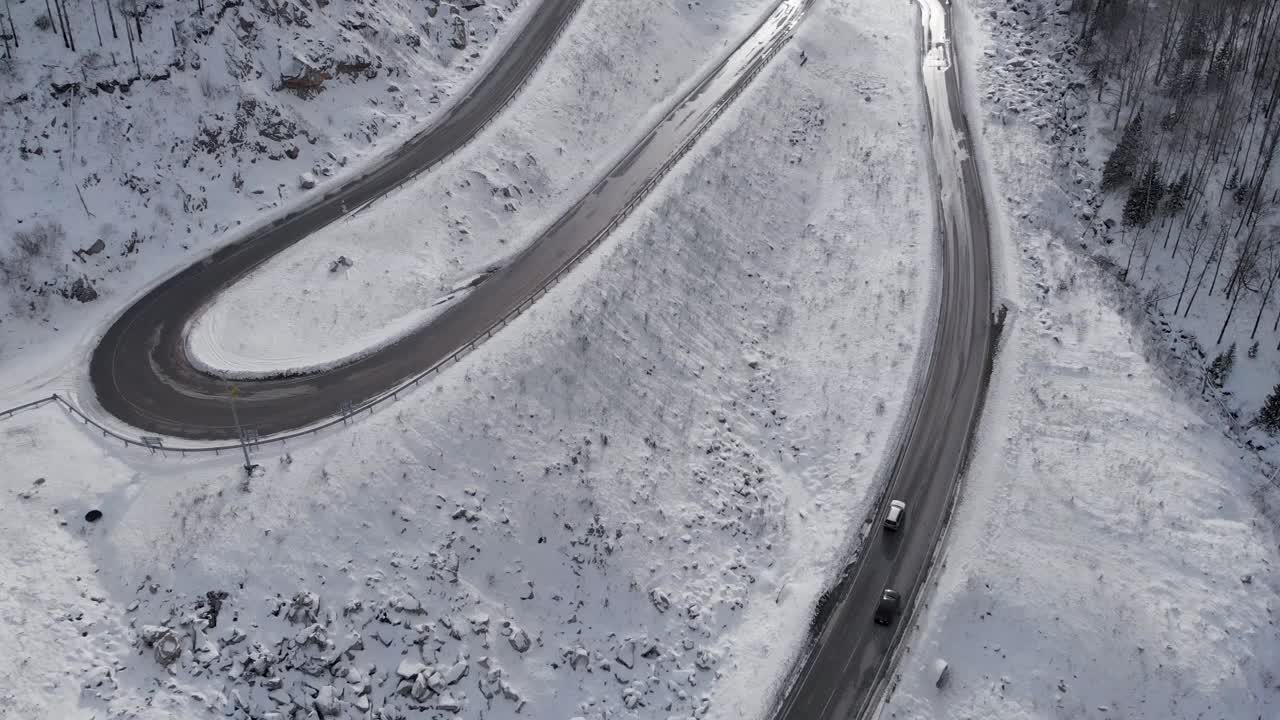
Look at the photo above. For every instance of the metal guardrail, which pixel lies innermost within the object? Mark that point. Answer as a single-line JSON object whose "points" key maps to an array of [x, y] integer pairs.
{"points": [[150, 443], [6, 414]]}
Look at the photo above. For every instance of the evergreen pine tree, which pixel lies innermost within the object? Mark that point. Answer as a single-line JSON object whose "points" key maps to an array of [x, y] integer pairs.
{"points": [[1183, 82], [1176, 196], [1253, 350], [1269, 415], [1221, 366], [1144, 197], [1234, 180], [1241, 193], [1194, 42], [1220, 67], [1120, 167]]}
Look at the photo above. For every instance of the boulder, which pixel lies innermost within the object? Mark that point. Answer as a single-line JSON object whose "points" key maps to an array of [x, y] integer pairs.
{"points": [[410, 669], [82, 290], [420, 688], [327, 703], [448, 703], [458, 39], [97, 247], [304, 608], [167, 648], [302, 75], [626, 655], [519, 640], [454, 672]]}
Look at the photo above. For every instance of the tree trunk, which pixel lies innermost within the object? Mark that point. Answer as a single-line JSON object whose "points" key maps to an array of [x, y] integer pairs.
{"points": [[129, 33], [94, 5], [1217, 268], [1186, 279], [66, 21], [8, 11], [1227, 321], [1266, 295], [1167, 46], [1146, 256], [56, 19], [1219, 247], [1244, 262], [1132, 246]]}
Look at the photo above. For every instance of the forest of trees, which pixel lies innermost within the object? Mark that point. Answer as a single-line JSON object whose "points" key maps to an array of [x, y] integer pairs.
{"points": [[75, 25], [1195, 85]]}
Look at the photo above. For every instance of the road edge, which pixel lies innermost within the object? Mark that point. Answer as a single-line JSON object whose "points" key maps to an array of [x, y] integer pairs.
{"points": [[1004, 321], [852, 550]]}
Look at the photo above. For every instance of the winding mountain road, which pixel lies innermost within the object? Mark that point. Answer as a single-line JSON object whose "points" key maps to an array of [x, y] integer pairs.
{"points": [[851, 654], [140, 370], [142, 375]]}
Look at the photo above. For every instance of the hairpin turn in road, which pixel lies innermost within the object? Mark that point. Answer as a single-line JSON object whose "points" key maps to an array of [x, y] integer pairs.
{"points": [[140, 369]]}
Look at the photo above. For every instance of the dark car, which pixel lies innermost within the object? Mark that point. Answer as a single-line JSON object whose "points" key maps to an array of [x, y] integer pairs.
{"points": [[887, 610]]}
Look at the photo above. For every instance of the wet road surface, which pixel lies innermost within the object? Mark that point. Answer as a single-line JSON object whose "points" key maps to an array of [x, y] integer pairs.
{"points": [[851, 653], [140, 370]]}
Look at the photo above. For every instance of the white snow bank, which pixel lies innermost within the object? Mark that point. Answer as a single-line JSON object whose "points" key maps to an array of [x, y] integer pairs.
{"points": [[1111, 555], [616, 70], [626, 502], [218, 342]]}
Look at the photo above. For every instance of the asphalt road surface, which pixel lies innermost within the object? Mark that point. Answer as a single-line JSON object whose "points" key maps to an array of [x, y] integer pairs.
{"points": [[851, 653], [140, 370]]}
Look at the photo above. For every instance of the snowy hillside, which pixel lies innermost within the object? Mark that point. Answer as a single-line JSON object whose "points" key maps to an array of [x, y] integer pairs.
{"points": [[432, 238], [623, 505], [1113, 553], [127, 155], [1164, 141]]}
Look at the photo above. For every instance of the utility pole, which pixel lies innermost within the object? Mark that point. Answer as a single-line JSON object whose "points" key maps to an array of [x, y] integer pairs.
{"points": [[248, 466]]}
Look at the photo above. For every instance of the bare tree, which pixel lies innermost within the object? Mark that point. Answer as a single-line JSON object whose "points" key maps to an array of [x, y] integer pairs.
{"points": [[1271, 272], [1246, 261], [1216, 252], [64, 21], [13, 31], [1194, 249], [129, 34], [111, 16], [93, 4]]}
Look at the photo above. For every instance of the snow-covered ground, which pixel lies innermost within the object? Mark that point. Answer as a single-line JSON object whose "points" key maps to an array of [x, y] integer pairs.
{"points": [[618, 70], [623, 505], [1042, 77], [144, 175], [1113, 554]]}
